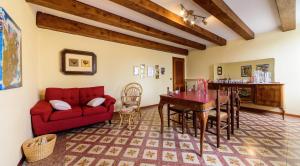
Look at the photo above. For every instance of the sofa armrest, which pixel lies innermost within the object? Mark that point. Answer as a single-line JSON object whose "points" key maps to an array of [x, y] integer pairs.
{"points": [[109, 100], [42, 108]]}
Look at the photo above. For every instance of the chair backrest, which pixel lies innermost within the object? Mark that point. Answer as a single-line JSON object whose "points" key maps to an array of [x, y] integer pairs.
{"points": [[132, 92]]}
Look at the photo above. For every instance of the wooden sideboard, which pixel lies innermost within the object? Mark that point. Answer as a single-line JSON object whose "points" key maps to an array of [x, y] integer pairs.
{"points": [[268, 94]]}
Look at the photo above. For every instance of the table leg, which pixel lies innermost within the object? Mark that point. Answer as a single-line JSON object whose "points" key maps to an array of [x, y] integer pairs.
{"points": [[203, 116], [160, 107], [283, 113]]}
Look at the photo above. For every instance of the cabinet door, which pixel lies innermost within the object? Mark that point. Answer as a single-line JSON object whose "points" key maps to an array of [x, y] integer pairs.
{"points": [[269, 95]]}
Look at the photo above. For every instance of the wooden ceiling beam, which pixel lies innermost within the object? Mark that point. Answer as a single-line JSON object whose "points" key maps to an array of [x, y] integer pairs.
{"points": [[287, 14], [89, 12], [55, 23], [223, 12], [155, 11]]}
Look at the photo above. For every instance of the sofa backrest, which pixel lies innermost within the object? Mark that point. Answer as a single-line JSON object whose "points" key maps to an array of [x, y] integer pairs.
{"points": [[69, 95], [87, 94]]}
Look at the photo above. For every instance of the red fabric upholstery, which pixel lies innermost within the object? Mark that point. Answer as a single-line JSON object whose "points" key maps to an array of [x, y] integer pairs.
{"points": [[93, 110], [87, 94], [45, 120], [67, 114], [42, 108], [71, 95]]}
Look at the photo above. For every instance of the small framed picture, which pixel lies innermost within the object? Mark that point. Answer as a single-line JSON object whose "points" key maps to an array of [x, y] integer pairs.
{"points": [[142, 70], [136, 70], [246, 71], [150, 71], [157, 71], [219, 70], [78, 62], [162, 71]]}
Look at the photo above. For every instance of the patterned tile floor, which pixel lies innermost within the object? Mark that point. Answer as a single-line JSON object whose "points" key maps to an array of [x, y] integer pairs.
{"points": [[263, 139]]}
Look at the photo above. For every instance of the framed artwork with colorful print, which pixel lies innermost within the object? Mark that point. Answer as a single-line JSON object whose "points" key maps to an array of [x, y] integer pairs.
{"points": [[10, 52]]}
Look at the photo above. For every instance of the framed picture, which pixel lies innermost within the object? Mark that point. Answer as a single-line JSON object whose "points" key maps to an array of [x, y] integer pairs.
{"points": [[246, 71], [219, 70], [10, 52], [162, 71], [142, 70], [157, 71], [150, 71], [78, 62], [263, 67], [136, 70]]}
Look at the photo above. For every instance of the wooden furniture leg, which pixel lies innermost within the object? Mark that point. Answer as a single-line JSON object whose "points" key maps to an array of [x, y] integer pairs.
{"points": [[195, 123], [232, 110], [160, 107], [121, 121], [203, 116], [283, 113], [169, 115], [183, 122]]}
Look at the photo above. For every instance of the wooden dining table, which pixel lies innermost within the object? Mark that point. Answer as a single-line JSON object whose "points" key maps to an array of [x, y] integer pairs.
{"points": [[196, 101]]}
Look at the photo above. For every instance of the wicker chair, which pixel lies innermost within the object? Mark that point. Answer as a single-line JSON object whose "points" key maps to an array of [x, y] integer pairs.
{"points": [[131, 96]]}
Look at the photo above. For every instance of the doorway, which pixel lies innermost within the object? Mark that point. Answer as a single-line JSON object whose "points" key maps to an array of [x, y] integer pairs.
{"points": [[178, 74]]}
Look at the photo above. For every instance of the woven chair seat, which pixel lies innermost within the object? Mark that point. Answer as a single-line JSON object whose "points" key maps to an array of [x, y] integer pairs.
{"points": [[213, 114]]}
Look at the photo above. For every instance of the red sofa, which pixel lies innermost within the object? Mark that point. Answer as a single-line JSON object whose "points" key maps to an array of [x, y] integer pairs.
{"points": [[46, 120]]}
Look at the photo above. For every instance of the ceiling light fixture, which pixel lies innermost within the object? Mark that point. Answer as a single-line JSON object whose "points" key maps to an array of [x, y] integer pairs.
{"points": [[189, 16]]}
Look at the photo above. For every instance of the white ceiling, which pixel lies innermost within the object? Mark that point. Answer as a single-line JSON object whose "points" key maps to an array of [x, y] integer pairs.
{"points": [[260, 15]]}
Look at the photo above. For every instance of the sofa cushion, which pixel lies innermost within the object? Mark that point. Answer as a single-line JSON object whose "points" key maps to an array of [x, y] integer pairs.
{"points": [[70, 95], [60, 105], [87, 94], [67, 114], [93, 110], [96, 102]]}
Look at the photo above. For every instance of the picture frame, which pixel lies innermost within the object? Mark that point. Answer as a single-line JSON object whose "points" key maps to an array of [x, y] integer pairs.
{"points": [[219, 70], [136, 71], [10, 52], [246, 71], [157, 71], [76, 62], [142, 70], [263, 67], [150, 72], [162, 71]]}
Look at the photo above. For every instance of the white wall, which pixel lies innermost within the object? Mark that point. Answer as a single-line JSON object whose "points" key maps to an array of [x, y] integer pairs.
{"points": [[115, 65], [15, 123], [283, 46]]}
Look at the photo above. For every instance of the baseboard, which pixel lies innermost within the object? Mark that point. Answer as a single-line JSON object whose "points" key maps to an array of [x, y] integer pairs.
{"points": [[149, 106], [292, 115], [272, 112]]}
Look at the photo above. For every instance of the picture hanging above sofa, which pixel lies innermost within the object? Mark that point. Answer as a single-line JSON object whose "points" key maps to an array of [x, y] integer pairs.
{"points": [[78, 62]]}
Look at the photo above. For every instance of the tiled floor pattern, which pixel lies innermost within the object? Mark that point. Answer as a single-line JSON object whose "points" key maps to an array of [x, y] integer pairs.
{"points": [[261, 140]]}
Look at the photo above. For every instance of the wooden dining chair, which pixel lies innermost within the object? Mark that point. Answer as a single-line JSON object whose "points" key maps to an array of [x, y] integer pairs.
{"points": [[182, 113], [217, 117], [235, 104]]}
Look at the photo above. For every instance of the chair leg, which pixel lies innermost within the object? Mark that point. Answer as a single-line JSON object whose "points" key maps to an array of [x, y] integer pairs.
{"points": [[238, 118], [218, 133], [121, 121], [168, 117], [183, 122], [228, 128]]}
